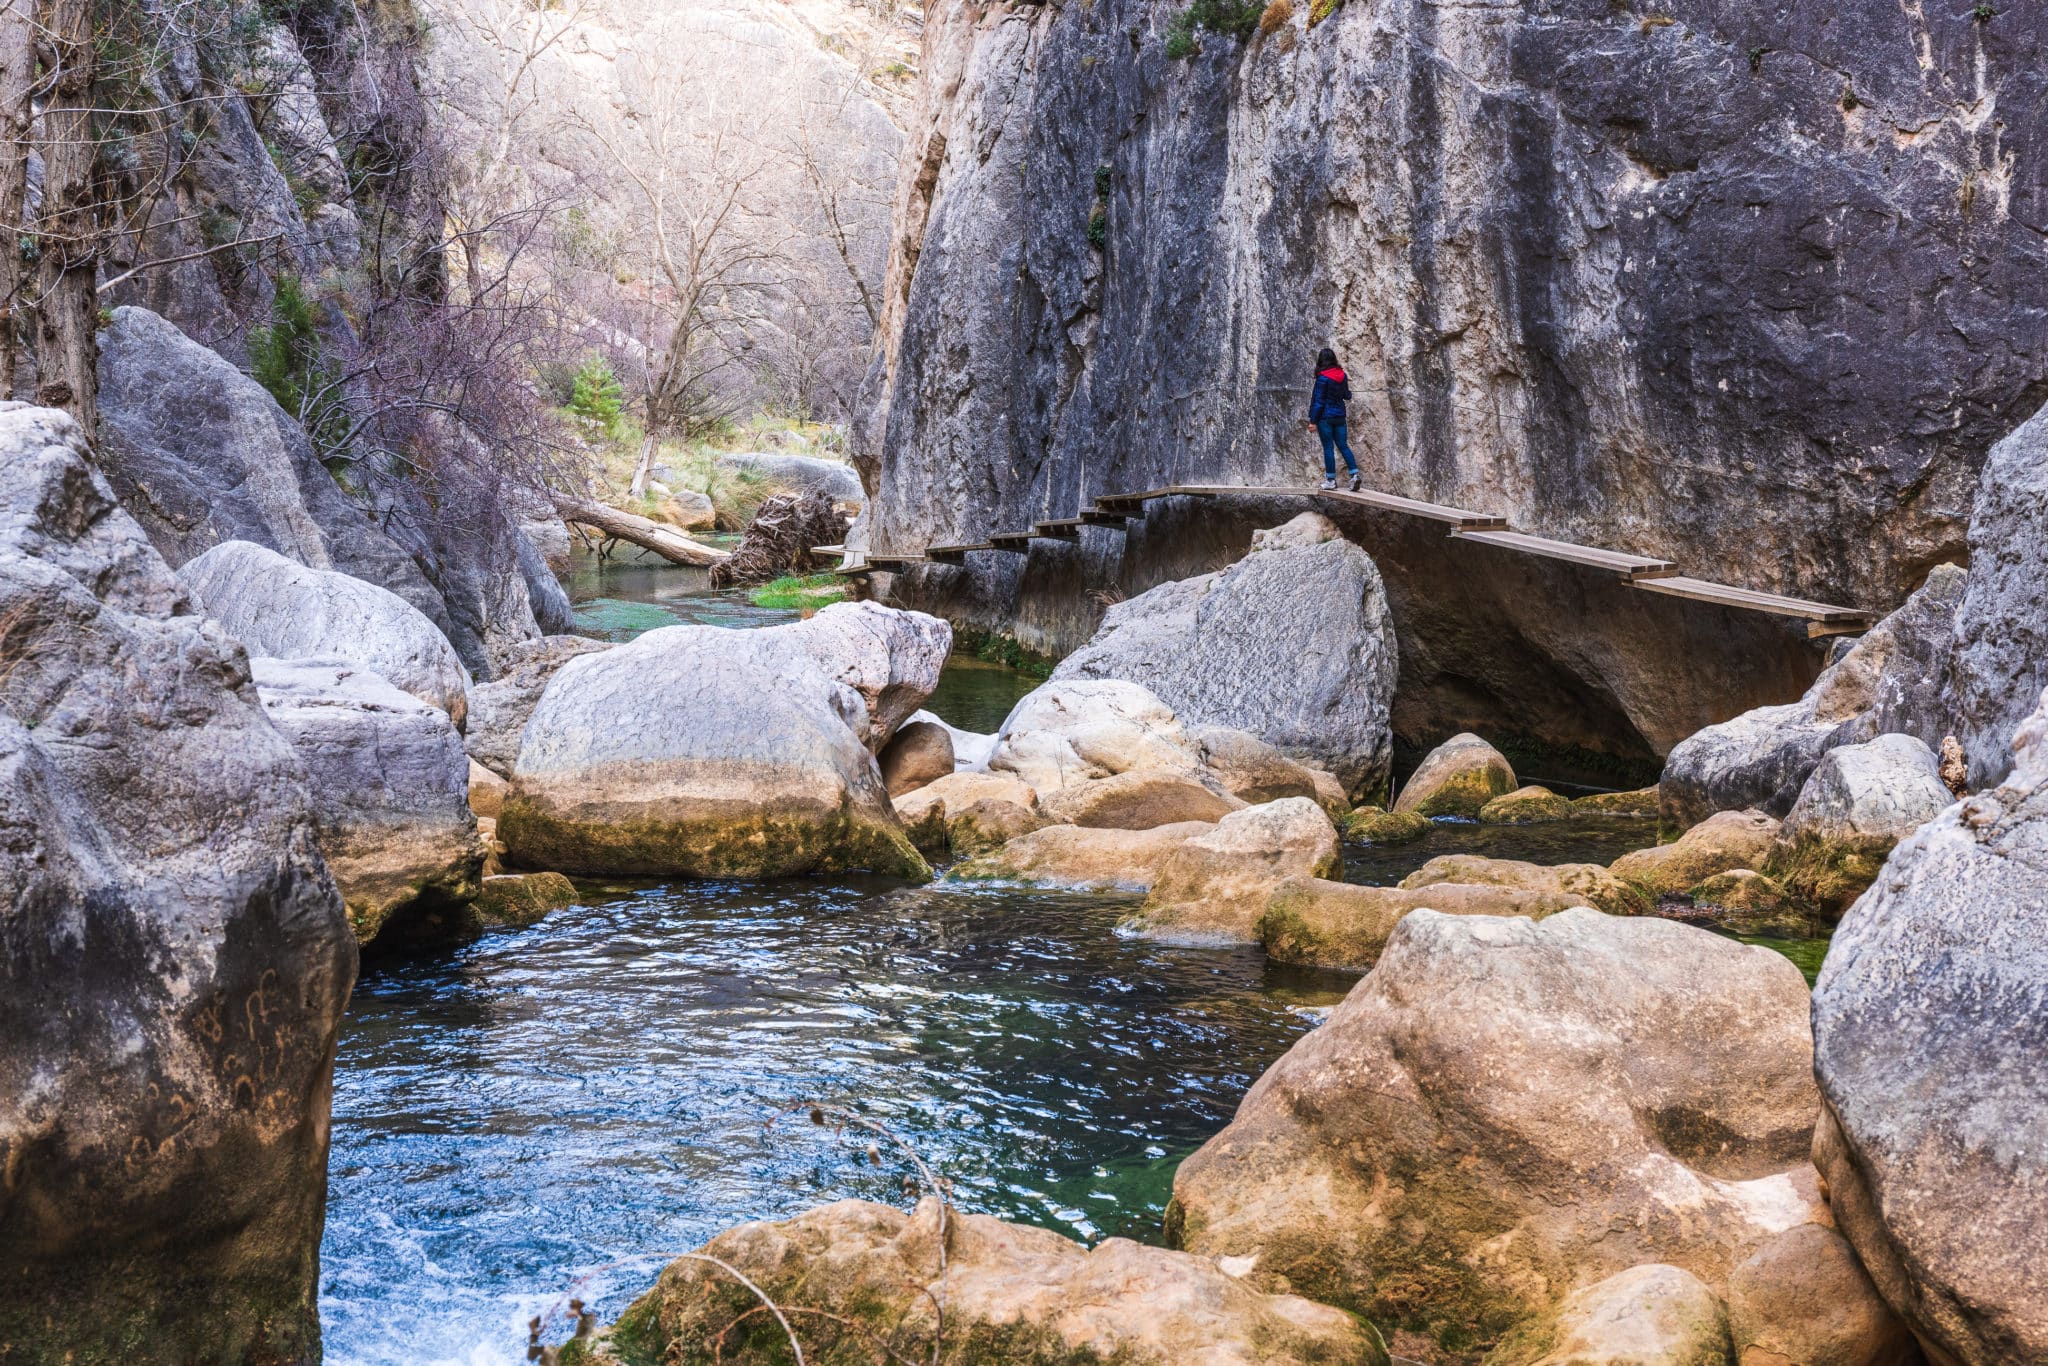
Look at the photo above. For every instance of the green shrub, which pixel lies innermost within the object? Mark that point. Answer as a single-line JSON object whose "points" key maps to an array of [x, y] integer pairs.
{"points": [[289, 359], [1098, 227], [596, 396]]}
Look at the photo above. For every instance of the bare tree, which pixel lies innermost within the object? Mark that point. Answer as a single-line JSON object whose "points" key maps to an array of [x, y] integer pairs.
{"points": [[17, 116], [701, 244], [68, 226], [513, 36]]}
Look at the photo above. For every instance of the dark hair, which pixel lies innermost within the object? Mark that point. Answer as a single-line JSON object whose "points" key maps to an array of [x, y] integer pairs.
{"points": [[1326, 359]]}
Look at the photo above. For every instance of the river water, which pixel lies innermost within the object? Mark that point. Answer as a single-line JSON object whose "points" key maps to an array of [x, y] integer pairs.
{"points": [[555, 1110]]}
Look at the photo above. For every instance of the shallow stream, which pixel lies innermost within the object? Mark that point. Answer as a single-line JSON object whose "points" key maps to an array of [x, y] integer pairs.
{"points": [[555, 1110]]}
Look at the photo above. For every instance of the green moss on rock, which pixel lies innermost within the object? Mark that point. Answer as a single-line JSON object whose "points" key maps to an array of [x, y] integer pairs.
{"points": [[1526, 806], [1371, 825]]}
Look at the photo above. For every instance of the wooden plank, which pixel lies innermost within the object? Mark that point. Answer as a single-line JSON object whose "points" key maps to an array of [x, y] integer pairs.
{"points": [[838, 550], [854, 571], [1095, 517], [1058, 529], [1015, 542], [887, 560], [1749, 599], [1373, 498], [1630, 567], [1463, 518], [954, 554]]}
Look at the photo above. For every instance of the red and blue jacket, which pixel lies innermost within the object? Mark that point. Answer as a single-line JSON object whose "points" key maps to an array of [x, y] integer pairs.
{"points": [[1332, 392]]}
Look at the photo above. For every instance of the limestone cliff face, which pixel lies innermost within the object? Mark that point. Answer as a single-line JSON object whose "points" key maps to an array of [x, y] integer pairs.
{"points": [[1751, 289]]}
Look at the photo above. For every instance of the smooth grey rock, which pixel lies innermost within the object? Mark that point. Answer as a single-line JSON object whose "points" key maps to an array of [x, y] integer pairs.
{"points": [[1067, 732], [200, 454], [890, 658], [703, 752], [1559, 1099], [1293, 644], [1868, 797], [1894, 679], [174, 958], [390, 786], [283, 609], [2001, 650], [1930, 1020], [498, 709], [1250, 769], [800, 473]]}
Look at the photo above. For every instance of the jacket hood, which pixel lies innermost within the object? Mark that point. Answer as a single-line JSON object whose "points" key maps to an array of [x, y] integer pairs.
{"points": [[1334, 372]]}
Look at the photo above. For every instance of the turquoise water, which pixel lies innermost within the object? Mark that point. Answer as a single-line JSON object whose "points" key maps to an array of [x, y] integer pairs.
{"points": [[558, 1108]]}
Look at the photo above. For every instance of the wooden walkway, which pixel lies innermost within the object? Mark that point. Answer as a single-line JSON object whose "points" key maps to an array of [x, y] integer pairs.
{"points": [[1112, 510]]}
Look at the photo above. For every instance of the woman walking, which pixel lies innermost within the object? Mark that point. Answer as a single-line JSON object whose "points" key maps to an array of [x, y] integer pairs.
{"points": [[1327, 415]]}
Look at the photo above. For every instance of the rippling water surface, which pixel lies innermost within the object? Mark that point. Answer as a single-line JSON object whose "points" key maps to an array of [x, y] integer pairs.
{"points": [[516, 1113]]}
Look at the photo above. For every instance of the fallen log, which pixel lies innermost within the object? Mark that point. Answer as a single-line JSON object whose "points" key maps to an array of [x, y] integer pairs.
{"points": [[665, 541]]}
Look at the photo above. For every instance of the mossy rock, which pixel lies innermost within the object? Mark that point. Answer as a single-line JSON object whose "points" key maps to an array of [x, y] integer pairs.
{"points": [[516, 900], [1457, 778], [1640, 803], [1828, 876], [1748, 902], [1371, 825], [748, 842], [1526, 806]]}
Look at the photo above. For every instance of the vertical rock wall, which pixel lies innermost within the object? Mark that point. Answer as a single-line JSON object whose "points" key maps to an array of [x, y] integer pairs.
{"points": [[1749, 289]]}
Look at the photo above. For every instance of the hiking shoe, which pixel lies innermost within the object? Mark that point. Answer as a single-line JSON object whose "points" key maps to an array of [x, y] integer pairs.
{"points": [[1330, 484], [1354, 481]]}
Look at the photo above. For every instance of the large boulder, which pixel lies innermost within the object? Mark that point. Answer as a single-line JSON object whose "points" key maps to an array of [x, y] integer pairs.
{"points": [[1804, 1298], [390, 786], [1505, 1111], [286, 610], [1722, 843], [201, 454], [953, 1289], [1214, 887], [1139, 801], [1892, 680], [174, 958], [1859, 803], [1930, 1021], [2001, 628], [704, 752], [1457, 778], [890, 658], [833, 480], [1293, 643], [498, 709]]}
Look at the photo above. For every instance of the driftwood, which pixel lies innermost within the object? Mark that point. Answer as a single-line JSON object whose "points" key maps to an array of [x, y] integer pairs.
{"points": [[664, 541], [779, 539]]}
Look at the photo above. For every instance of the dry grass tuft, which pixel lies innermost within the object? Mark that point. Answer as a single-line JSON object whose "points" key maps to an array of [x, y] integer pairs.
{"points": [[1275, 16]]}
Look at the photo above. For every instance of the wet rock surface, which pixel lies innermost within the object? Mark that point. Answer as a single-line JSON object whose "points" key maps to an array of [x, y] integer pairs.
{"points": [[175, 958]]}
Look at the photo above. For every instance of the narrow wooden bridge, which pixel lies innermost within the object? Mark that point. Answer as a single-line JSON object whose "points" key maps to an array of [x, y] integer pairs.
{"points": [[1638, 571]]}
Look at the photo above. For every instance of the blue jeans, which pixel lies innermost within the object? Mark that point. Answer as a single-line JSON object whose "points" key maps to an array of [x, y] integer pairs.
{"points": [[1331, 430]]}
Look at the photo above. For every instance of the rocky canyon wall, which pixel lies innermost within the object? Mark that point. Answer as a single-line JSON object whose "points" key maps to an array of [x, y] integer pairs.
{"points": [[1750, 289]]}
